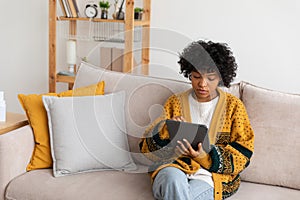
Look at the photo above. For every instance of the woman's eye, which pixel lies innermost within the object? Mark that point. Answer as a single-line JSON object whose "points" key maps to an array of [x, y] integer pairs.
{"points": [[211, 78], [196, 77]]}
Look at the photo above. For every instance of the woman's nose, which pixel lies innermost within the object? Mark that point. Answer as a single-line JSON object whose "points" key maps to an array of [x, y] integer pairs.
{"points": [[202, 82]]}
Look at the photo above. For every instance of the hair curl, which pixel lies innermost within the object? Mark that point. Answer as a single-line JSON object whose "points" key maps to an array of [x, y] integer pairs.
{"points": [[208, 56]]}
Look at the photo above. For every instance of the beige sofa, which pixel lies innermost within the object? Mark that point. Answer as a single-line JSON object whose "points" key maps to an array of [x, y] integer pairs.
{"points": [[272, 174]]}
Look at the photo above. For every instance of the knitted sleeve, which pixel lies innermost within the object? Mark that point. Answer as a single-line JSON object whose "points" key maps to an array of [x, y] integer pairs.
{"points": [[233, 157], [156, 137]]}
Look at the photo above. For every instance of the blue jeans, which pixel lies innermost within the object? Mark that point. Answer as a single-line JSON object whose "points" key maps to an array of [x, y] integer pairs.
{"points": [[172, 183]]}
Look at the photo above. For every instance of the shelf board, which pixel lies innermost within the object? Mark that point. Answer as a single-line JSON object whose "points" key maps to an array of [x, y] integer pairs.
{"points": [[141, 22], [136, 22], [88, 19], [65, 79]]}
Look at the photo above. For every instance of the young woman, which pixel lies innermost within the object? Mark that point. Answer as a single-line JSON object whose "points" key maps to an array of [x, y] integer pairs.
{"points": [[185, 173]]}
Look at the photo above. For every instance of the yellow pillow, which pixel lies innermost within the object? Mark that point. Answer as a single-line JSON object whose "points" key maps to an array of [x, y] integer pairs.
{"points": [[37, 117], [96, 89]]}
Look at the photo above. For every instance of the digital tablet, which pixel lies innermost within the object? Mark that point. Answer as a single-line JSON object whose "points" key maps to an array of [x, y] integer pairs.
{"points": [[194, 133]]}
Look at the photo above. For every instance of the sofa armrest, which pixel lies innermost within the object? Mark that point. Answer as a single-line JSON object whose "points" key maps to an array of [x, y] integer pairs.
{"points": [[16, 148]]}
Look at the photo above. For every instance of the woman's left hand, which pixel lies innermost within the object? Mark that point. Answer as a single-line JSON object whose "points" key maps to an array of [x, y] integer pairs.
{"points": [[185, 148]]}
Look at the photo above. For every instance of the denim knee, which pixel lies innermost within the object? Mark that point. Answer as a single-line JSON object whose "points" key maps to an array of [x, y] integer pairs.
{"points": [[171, 183], [171, 176]]}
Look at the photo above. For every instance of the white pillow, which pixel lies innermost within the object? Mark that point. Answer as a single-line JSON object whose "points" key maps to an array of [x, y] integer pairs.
{"points": [[88, 133]]}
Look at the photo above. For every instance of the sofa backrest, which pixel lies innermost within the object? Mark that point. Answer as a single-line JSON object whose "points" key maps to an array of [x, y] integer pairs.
{"points": [[275, 119]]}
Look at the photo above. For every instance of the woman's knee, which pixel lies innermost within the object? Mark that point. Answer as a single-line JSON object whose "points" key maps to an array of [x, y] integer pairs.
{"points": [[172, 183], [171, 174], [171, 177]]}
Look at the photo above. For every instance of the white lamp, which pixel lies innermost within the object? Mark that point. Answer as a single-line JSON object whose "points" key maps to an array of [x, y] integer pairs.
{"points": [[71, 55]]}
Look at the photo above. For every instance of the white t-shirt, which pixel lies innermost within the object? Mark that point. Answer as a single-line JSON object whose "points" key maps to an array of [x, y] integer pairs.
{"points": [[201, 113]]}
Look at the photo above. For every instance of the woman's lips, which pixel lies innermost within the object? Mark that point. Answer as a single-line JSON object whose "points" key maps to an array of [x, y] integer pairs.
{"points": [[203, 92]]}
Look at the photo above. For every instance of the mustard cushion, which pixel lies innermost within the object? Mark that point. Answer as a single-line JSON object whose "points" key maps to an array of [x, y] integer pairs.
{"points": [[37, 117]]}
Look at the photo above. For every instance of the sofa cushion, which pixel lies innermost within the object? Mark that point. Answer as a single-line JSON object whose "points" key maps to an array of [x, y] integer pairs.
{"points": [[88, 133], [274, 117], [37, 117], [116, 185], [96, 185]]}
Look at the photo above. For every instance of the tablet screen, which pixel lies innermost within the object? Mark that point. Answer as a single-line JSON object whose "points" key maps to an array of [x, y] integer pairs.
{"points": [[194, 133]]}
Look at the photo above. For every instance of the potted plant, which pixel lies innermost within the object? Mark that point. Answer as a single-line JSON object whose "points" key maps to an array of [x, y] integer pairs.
{"points": [[104, 6], [138, 13]]}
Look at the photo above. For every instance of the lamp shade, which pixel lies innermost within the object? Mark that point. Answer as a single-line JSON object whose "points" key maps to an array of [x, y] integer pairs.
{"points": [[71, 52]]}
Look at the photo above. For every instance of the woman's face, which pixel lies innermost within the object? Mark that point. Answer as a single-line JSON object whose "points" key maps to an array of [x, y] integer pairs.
{"points": [[205, 85]]}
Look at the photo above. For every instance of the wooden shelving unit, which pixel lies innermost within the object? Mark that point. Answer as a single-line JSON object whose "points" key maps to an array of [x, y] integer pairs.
{"points": [[129, 24]]}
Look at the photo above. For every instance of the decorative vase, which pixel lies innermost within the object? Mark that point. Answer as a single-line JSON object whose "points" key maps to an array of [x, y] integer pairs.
{"points": [[120, 15], [114, 15], [104, 14]]}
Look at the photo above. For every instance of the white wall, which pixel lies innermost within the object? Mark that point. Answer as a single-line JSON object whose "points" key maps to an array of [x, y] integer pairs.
{"points": [[23, 49], [263, 35]]}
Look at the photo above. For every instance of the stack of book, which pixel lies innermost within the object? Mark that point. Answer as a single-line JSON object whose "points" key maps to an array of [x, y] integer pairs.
{"points": [[69, 8]]}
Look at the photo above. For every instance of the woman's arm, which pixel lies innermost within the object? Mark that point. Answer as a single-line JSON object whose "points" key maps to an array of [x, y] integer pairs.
{"points": [[154, 144]]}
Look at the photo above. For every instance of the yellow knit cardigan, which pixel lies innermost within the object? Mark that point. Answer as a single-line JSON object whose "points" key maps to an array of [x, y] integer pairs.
{"points": [[230, 134]]}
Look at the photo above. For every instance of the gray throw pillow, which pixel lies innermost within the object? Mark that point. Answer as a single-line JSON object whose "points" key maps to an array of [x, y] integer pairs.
{"points": [[88, 133]]}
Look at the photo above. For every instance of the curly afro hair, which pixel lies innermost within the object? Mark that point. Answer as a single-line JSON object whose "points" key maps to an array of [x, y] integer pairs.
{"points": [[208, 56]]}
